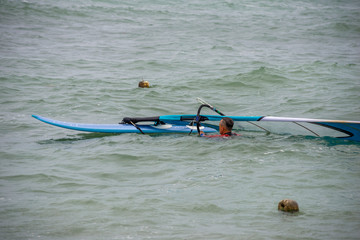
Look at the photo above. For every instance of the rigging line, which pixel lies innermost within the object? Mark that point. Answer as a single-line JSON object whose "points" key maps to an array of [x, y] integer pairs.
{"points": [[191, 124], [267, 131], [137, 127], [307, 129], [198, 117], [202, 101]]}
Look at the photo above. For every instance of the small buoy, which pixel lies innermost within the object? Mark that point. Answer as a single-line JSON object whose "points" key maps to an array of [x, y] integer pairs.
{"points": [[288, 205], [144, 84]]}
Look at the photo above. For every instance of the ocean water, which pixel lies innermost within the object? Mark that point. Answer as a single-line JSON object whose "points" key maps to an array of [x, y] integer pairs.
{"points": [[81, 61]]}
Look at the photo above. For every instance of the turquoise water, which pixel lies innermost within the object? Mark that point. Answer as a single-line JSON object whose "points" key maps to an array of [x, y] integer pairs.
{"points": [[81, 62]]}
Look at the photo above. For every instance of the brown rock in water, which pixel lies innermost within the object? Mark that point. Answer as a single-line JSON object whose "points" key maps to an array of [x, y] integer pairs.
{"points": [[288, 205], [144, 84]]}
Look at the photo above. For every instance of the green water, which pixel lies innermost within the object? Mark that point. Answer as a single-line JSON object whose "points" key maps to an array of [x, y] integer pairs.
{"points": [[81, 62]]}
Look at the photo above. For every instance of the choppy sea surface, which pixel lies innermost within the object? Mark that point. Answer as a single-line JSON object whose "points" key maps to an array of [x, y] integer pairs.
{"points": [[81, 61]]}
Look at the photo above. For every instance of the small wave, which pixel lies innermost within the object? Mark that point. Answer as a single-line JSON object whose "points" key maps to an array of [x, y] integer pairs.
{"points": [[216, 47], [266, 75], [75, 138], [346, 27], [37, 177], [254, 79], [207, 208]]}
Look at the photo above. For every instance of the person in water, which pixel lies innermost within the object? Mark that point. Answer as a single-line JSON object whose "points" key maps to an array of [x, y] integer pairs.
{"points": [[225, 128]]}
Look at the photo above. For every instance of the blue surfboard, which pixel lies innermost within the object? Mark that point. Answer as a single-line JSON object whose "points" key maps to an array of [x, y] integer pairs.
{"points": [[169, 127]]}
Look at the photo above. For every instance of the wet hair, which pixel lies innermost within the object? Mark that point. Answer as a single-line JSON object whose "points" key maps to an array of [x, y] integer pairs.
{"points": [[228, 123]]}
